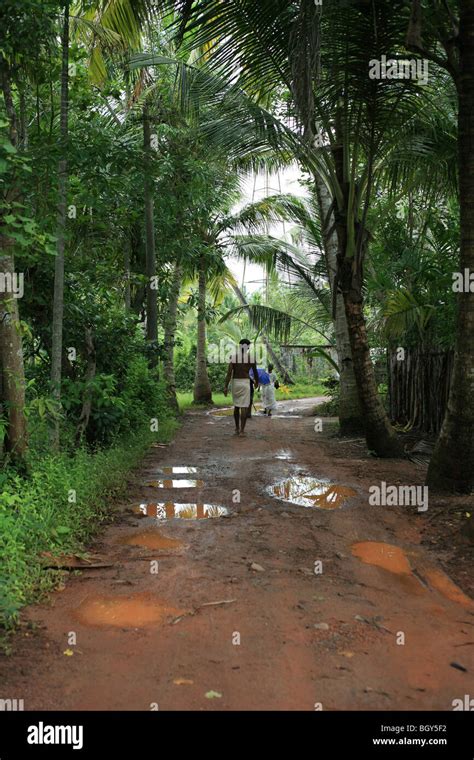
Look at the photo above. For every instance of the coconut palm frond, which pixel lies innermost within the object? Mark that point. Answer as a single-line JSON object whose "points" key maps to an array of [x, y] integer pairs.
{"points": [[270, 210], [219, 283], [403, 311], [266, 319]]}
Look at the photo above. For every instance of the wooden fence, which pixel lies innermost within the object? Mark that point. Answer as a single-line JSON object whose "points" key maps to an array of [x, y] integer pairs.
{"points": [[418, 388]]}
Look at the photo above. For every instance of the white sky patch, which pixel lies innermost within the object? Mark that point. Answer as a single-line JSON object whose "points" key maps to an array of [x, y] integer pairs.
{"points": [[255, 188]]}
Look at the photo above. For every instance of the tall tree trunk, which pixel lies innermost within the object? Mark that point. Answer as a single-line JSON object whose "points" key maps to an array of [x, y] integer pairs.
{"points": [[151, 289], [170, 322], [351, 420], [11, 349], [11, 355], [58, 302], [126, 266], [352, 245], [89, 376], [202, 386], [380, 435], [282, 371], [452, 464]]}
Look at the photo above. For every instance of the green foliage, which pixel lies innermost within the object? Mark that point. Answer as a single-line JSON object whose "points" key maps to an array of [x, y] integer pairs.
{"points": [[185, 367], [38, 514]]}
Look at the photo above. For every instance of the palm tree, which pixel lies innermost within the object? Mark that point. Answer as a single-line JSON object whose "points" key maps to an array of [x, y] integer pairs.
{"points": [[58, 298], [202, 387], [111, 25], [170, 321], [358, 122], [151, 289], [15, 53], [320, 246], [446, 40], [275, 359]]}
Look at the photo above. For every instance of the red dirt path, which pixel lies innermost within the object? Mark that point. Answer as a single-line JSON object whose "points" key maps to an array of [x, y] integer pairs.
{"points": [[145, 638]]}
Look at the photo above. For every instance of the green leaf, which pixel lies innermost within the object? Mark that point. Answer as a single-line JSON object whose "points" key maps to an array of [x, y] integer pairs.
{"points": [[62, 529]]}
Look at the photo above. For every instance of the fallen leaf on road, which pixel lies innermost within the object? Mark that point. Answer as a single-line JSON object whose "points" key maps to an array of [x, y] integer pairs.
{"points": [[213, 695], [68, 652], [183, 681]]}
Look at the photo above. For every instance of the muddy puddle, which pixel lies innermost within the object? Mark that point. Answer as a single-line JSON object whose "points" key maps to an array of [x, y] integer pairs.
{"points": [[171, 483], [151, 539], [446, 587], [380, 554], [394, 559], [222, 412], [312, 492], [134, 611], [170, 510], [228, 412]]}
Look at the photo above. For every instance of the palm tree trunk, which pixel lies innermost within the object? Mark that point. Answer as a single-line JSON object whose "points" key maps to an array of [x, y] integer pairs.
{"points": [[282, 371], [170, 322], [126, 266], [151, 290], [11, 349], [380, 435], [452, 464], [58, 302], [202, 386], [351, 420], [88, 378]]}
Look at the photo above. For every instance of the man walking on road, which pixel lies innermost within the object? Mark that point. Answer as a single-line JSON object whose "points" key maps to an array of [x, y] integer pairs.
{"points": [[238, 373]]}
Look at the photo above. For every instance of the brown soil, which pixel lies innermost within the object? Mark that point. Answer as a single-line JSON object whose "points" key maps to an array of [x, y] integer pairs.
{"points": [[276, 606]]}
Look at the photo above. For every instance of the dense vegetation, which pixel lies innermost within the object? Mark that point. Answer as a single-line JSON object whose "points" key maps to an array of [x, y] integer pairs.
{"points": [[128, 132]]}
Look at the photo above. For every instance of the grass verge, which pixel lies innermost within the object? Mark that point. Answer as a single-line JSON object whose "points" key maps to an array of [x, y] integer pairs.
{"points": [[57, 509]]}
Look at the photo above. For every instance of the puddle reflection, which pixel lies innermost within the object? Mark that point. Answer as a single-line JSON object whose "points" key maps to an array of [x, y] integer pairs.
{"points": [[170, 510], [312, 492], [284, 454], [179, 470], [182, 483]]}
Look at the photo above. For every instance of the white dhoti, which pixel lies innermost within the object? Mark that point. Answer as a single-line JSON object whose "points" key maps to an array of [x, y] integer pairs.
{"points": [[268, 397], [241, 392]]}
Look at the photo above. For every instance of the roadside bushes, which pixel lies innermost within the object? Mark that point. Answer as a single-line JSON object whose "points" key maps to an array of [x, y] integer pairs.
{"points": [[57, 509], [185, 367]]}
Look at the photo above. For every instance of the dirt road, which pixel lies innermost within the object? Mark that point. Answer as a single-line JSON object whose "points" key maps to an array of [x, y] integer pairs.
{"points": [[323, 620]]}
